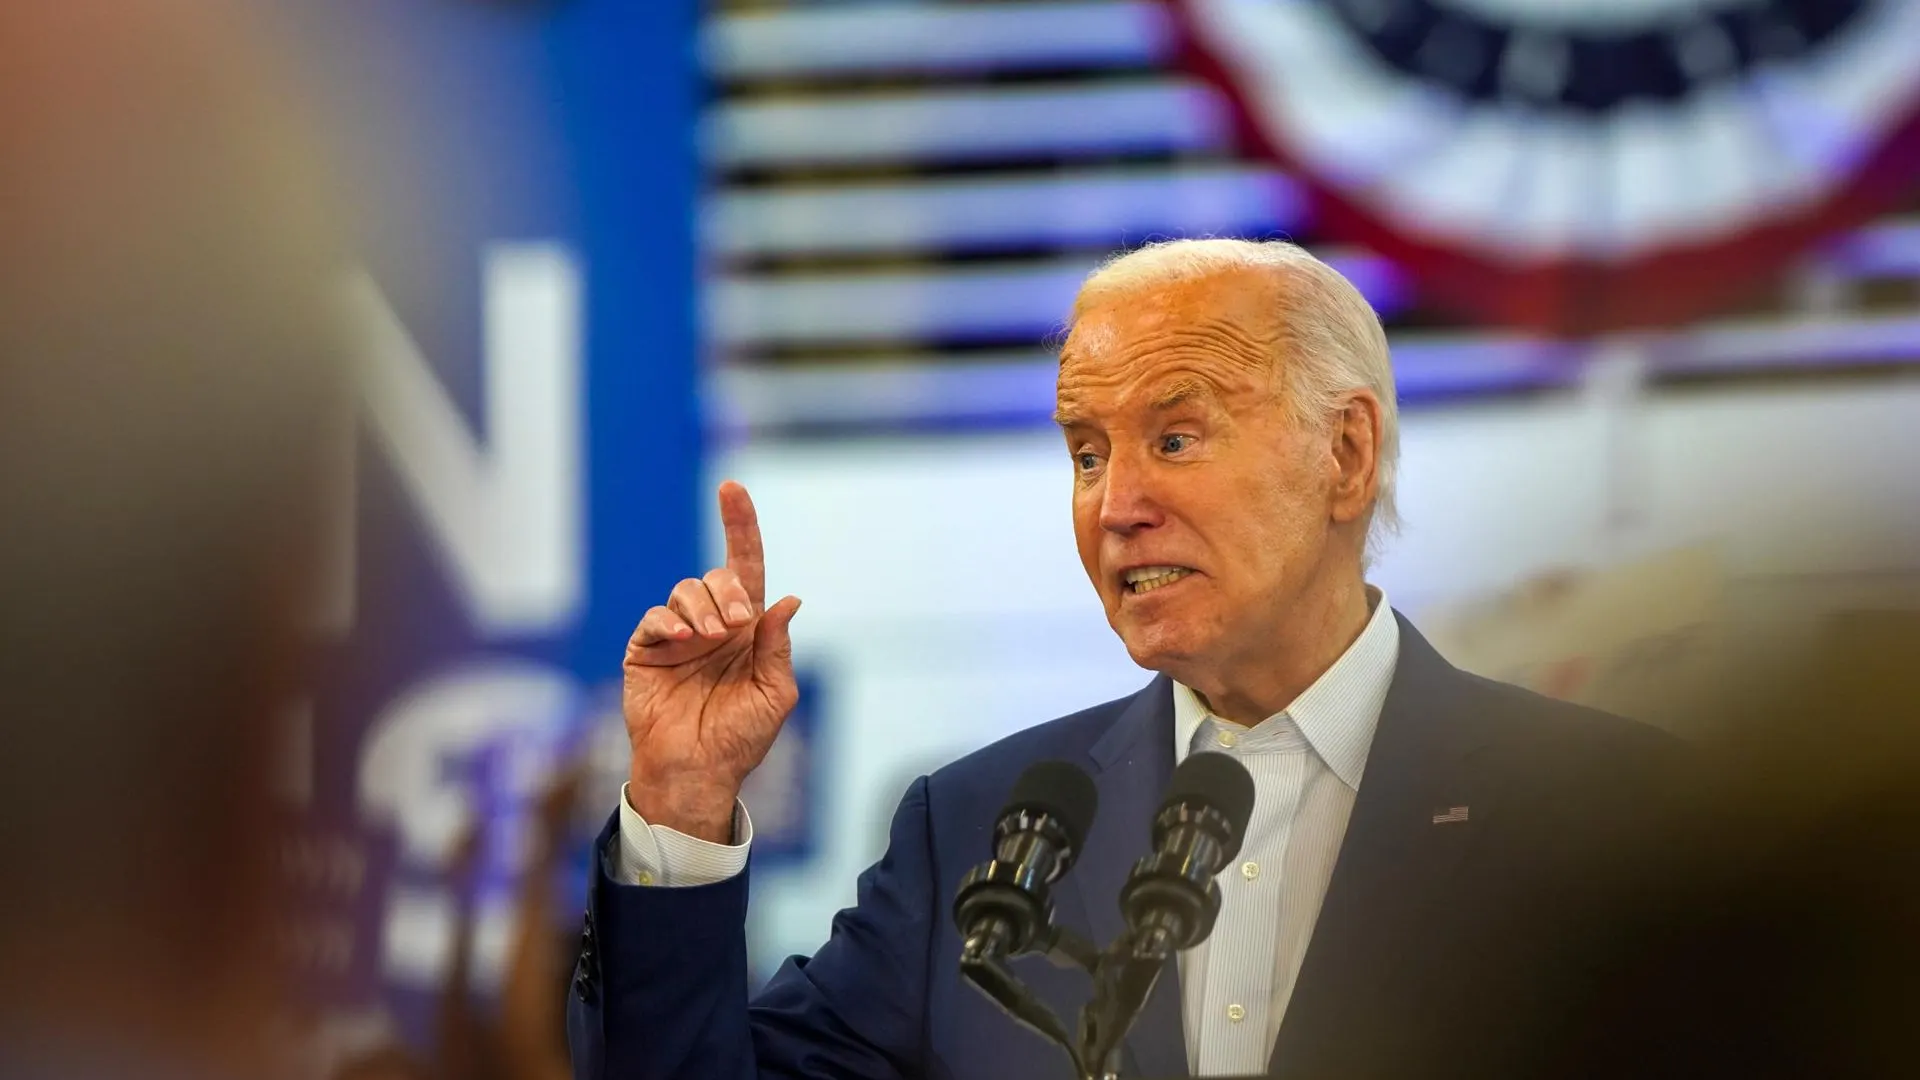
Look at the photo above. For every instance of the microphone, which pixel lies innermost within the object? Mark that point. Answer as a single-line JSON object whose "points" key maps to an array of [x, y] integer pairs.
{"points": [[1170, 900], [1003, 907]]}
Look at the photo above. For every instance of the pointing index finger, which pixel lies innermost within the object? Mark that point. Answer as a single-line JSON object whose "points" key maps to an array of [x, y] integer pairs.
{"points": [[745, 556]]}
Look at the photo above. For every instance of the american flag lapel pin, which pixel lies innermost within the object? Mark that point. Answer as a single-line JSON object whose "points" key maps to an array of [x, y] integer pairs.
{"points": [[1450, 815]]}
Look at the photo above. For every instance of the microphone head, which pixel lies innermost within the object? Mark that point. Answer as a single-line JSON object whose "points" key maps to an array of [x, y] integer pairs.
{"points": [[1061, 791], [1215, 782]]}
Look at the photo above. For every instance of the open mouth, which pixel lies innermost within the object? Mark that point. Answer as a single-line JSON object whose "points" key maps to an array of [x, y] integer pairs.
{"points": [[1145, 579]]}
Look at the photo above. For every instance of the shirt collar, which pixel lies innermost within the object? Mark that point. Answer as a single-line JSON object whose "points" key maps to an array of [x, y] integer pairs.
{"points": [[1337, 714]]}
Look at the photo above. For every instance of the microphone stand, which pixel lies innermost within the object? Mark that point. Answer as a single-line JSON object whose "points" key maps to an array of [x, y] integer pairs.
{"points": [[1123, 977], [983, 962], [1122, 981]]}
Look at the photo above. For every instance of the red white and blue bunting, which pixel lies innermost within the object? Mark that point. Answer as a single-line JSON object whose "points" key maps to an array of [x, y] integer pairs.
{"points": [[1576, 166]]}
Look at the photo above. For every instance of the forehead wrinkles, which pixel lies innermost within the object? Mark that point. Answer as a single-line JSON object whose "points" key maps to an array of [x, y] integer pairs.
{"points": [[1227, 353]]}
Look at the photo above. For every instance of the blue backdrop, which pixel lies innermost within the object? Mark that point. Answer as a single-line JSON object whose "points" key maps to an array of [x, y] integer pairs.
{"points": [[520, 179]]}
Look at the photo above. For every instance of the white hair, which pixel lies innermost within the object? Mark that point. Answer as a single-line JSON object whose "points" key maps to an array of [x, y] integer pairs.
{"points": [[1331, 342]]}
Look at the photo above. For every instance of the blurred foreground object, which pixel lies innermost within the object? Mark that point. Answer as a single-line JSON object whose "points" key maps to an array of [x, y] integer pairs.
{"points": [[1802, 900], [1789, 930], [166, 363]]}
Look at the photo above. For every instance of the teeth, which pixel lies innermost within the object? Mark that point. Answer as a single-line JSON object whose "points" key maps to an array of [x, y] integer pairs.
{"points": [[1149, 578]]}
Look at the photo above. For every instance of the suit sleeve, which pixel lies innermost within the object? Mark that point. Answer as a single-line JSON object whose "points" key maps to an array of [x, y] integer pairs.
{"points": [[660, 989]]}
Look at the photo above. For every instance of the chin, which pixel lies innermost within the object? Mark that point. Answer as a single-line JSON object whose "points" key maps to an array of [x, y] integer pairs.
{"points": [[1168, 650]]}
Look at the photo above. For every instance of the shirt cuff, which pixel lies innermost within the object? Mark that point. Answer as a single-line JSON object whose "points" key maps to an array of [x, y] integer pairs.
{"points": [[657, 855]]}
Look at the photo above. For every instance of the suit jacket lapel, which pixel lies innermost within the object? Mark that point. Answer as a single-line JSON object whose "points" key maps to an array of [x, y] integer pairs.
{"points": [[1132, 764], [1395, 857], [1391, 864]]}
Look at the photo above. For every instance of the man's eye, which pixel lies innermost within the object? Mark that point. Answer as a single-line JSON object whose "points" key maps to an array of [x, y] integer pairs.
{"points": [[1086, 461], [1173, 444]]}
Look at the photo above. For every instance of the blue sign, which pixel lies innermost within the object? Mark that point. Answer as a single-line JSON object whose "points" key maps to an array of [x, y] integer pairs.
{"points": [[524, 479]]}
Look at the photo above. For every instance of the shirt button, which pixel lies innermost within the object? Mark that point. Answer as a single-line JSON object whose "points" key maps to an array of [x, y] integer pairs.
{"points": [[646, 878], [1249, 870], [1228, 738], [1236, 1014]]}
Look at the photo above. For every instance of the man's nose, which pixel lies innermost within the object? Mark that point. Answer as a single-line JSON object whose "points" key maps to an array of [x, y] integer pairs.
{"points": [[1128, 502]]}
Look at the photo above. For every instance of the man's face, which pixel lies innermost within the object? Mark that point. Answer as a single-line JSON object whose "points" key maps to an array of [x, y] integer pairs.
{"points": [[1200, 509]]}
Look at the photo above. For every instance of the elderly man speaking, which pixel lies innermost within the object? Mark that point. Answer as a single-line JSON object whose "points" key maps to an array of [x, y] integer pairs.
{"points": [[1428, 854]]}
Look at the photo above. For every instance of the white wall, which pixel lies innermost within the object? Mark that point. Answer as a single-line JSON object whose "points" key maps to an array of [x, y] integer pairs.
{"points": [[945, 605]]}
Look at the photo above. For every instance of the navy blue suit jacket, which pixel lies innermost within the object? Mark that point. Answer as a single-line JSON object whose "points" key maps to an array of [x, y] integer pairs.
{"points": [[1461, 948]]}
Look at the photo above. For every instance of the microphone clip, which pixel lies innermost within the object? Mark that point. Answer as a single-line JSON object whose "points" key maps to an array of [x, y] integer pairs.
{"points": [[1122, 978]]}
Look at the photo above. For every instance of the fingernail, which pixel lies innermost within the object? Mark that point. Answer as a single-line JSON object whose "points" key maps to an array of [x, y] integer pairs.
{"points": [[739, 613], [712, 626]]}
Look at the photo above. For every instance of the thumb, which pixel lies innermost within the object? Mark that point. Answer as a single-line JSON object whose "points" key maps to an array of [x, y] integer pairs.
{"points": [[772, 644]]}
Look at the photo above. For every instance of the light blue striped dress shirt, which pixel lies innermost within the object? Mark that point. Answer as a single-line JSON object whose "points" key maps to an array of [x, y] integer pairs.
{"points": [[1306, 764]]}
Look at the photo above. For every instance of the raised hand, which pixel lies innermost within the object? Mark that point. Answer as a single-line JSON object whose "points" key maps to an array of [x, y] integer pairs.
{"points": [[708, 682]]}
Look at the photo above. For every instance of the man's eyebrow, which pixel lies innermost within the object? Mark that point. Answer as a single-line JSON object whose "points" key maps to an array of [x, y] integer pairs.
{"points": [[1180, 393]]}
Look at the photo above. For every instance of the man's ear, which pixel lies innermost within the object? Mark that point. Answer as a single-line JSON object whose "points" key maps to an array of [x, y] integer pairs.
{"points": [[1355, 442]]}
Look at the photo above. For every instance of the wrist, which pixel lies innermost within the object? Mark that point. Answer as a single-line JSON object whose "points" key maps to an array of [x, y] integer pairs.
{"points": [[703, 811]]}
